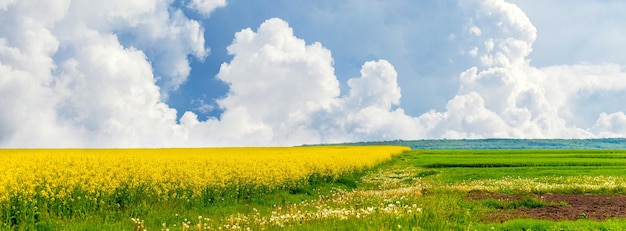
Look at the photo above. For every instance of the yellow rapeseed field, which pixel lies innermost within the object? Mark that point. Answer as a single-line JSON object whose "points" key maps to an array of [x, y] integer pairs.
{"points": [[67, 181]]}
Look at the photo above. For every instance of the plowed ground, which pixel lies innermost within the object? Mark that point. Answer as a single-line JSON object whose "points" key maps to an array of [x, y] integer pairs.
{"points": [[565, 206]]}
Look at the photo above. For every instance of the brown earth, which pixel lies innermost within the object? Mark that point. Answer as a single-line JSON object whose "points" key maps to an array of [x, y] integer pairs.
{"points": [[565, 206]]}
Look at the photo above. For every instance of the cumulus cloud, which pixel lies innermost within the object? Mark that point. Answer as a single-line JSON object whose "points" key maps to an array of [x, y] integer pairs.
{"points": [[205, 7], [582, 92], [610, 125], [166, 36], [368, 109], [78, 77], [377, 86], [67, 80], [505, 96], [284, 92], [276, 81]]}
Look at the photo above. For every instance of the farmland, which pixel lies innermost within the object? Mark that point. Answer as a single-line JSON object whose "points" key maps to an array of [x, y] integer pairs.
{"points": [[313, 188], [40, 186]]}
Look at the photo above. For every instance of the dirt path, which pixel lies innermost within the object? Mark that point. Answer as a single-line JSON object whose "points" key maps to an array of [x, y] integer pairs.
{"points": [[567, 207]]}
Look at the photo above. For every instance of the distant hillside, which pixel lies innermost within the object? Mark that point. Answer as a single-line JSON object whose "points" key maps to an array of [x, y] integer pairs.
{"points": [[608, 143]]}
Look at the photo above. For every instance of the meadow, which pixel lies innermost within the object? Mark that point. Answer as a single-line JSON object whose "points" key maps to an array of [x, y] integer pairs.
{"points": [[313, 188]]}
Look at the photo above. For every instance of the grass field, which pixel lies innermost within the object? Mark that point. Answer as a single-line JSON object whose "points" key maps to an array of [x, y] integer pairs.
{"points": [[415, 190]]}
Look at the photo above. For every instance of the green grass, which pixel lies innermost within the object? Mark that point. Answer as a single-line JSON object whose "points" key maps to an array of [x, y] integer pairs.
{"points": [[542, 225], [519, 158], [524, 202], [544, 166], [441, 168], [440, 177], [465, 165]]}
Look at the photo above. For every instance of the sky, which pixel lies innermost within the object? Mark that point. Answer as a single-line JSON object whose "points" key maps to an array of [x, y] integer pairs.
{"points": [[202, 73]]}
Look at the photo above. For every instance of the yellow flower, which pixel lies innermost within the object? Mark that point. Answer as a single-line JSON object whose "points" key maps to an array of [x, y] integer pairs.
{"points": [[163, 174]]}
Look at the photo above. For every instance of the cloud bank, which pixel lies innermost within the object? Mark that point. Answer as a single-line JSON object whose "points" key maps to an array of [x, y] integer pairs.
{"points": [[68, 79]]}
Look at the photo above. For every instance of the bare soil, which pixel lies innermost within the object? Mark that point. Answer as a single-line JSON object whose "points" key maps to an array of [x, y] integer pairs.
{"points": [[566, 206]]}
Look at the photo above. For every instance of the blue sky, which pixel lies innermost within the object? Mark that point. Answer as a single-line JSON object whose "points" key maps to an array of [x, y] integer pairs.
{"points": [[413, 36], [237, 73]]}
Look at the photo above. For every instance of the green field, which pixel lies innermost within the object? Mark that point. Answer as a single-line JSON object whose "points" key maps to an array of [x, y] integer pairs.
{"points": [[449, 176], [416, 190], [428, 190]]}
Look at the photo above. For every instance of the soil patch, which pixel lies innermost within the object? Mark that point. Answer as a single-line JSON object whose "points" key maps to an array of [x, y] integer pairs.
{"points": [[565, 206]]}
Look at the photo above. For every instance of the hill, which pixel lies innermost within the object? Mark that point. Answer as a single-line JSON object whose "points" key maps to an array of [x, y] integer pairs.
{"points": [[497, 144]]}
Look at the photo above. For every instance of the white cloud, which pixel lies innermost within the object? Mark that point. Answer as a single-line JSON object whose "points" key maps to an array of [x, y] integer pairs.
{"points": [[579, 31], [504, 96], [5, 3], [109, 92], [79, 74], [276, 81], [166, 36], [68, 81], [377, 86], [610, 125], [366, 112], [511, 98], [583, 91], [467, 117], [284, 92], [25, 65], [206, 6], [473, 30], [504, 30]]}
